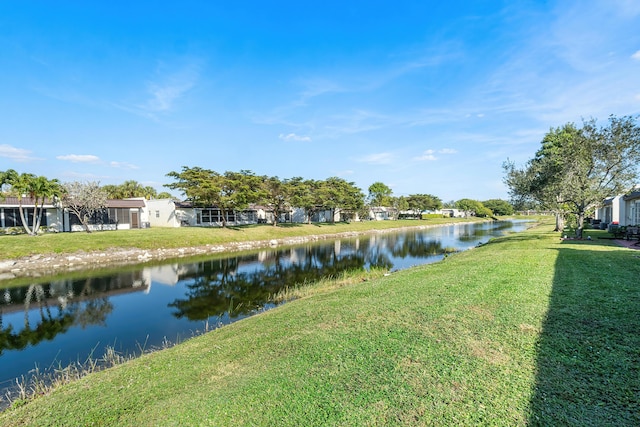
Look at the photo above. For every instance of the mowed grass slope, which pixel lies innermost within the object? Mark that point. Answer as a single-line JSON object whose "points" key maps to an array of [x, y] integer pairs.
{"points": [[524, 330]]}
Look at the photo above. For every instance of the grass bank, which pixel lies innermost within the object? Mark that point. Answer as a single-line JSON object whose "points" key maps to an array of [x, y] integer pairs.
{"points": [[16, 246], [528, 329]]}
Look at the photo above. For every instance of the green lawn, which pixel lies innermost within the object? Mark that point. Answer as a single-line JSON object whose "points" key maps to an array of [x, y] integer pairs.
{"points": [[15, 246], [525, 330]]}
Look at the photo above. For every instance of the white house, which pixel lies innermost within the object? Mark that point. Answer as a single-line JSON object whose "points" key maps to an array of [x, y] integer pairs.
{"points": [[162, 213], [382, 213], [622, 209]]}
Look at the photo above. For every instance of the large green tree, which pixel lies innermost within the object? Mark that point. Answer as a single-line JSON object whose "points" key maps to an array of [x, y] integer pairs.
{"points": [[307, 194], [539, 182], [577, 168], [231, 191], [342, 196], [473, 207], [499, 206], [277, 194], [380, 194], [423, 202]]}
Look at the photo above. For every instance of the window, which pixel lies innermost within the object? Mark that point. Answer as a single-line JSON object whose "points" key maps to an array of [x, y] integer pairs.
{"points": [[212, 216], [99, 217], [12, 217], [157, 214]]}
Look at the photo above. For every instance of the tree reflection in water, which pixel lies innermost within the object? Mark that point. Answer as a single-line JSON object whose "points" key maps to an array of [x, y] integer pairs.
{"points": [[61, 305], [230, 286]]}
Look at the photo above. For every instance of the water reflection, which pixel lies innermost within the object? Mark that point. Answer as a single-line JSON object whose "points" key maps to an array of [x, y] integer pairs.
{"points": [[52, 308], [63, 321]]}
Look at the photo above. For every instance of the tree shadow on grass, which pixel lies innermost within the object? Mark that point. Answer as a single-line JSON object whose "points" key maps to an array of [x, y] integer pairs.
{"points": [[588, 362]]}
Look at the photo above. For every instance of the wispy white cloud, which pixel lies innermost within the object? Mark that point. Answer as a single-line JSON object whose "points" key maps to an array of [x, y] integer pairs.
{"points": [[427, 155], [636, 56], [170, 84], [79, 158], [377, 158], [551, 76], [16, 154], [123, 165], [314, 87], [430, 155], [294, 137], [356, 122], [447, 151]]}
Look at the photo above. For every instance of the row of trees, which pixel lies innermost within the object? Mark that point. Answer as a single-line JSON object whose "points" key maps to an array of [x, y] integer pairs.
{"points": [[234, 191], [130, 188], [382, 195], [576, 168], [230, 191]]}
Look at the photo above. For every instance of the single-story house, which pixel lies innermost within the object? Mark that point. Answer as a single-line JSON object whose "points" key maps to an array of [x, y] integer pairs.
{"points": [[124, 214], [119, 214], [622, 209], [10, 213], [382, 213]]}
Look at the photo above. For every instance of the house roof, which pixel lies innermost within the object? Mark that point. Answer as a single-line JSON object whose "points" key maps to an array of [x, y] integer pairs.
{"points": [[10, 201], [187, 204], [125, 203], [28, 202], [608, 201], [632, 196]]}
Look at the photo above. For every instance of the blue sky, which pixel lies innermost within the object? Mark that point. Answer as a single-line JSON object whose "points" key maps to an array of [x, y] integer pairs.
{"points": [[427, 97]]}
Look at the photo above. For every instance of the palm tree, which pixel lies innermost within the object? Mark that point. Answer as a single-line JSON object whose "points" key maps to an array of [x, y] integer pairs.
{"points": [[38, 189], [129, 189], [42, 189]]}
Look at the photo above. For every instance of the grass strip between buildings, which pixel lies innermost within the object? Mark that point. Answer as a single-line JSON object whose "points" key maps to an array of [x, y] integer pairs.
{"points": [[525, 330]]}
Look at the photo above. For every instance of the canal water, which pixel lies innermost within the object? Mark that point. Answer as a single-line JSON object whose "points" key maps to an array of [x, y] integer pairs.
{"points": [[52, 324]]}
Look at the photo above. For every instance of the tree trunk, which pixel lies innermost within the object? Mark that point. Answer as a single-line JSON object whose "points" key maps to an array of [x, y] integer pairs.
{"points": [[37, 216], [85, 224], [25, 222], [559, 222], [580, 227]]}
